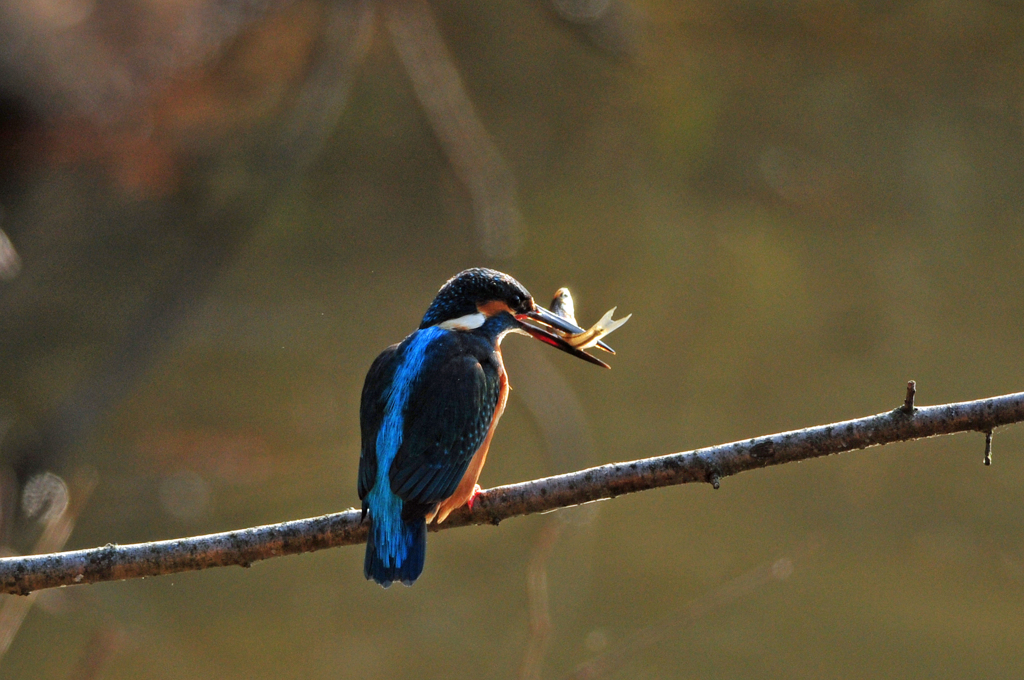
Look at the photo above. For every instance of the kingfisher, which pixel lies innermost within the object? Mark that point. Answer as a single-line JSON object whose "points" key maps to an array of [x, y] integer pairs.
{"points": [[428, 411]]}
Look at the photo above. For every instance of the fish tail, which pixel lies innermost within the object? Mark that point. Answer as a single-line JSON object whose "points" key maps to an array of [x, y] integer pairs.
{"points": [[607, 325]]}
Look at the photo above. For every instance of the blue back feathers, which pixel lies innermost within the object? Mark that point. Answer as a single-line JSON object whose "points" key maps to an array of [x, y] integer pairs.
{"points": [[396, 549]]}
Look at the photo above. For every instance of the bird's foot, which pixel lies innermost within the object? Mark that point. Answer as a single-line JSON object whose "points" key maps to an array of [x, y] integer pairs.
{"points": [[472, 496]]}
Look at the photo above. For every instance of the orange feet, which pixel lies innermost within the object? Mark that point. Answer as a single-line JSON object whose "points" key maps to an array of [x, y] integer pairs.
{"points": [[472, 497]]}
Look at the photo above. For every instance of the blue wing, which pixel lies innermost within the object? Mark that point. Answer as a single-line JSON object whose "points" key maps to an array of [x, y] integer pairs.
{"points": [[371, 414], [447, 418]]}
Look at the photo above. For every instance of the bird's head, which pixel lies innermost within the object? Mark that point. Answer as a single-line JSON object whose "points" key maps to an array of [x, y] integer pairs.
{"points": [[485, 299]]}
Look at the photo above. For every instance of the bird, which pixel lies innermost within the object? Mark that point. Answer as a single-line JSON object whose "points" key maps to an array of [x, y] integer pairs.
{"points": [[428, 411]]}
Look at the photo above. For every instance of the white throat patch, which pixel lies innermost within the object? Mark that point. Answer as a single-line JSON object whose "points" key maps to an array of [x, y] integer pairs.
{"points": [[464, 323]]}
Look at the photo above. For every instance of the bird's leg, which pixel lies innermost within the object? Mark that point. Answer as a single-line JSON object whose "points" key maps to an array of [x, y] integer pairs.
{"points": [[472, 497]]}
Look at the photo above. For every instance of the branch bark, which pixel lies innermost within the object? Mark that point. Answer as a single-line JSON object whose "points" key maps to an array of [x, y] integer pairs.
{"points": [[22, 575]]}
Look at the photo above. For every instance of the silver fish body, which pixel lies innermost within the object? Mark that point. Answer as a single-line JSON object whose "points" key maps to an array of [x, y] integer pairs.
{"points": [[562, 305]]}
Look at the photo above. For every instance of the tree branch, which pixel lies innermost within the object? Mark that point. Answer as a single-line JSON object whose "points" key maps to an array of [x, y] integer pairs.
{"points": [[22, 575]]}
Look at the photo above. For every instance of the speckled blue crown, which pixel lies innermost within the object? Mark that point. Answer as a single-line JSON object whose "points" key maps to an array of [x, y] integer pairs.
{"points": [[464, 291]]}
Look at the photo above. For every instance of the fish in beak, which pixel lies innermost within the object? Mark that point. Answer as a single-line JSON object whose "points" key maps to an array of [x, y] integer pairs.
{"points": [[545, 317], [562, 305]]}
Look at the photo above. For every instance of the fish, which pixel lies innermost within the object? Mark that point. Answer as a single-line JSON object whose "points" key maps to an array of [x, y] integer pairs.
{"points": [[562, 305]]}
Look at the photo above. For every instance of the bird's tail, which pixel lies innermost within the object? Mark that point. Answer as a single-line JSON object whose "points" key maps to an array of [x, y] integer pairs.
{"points": [[398, 557]]}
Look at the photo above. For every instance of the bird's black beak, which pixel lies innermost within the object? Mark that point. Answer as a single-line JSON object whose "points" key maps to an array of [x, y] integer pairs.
{"points": [[546, 317], [555, 321]]}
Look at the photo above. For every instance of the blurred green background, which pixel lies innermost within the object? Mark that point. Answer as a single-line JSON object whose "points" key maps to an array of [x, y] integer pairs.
{"points": [[219, 213]]}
